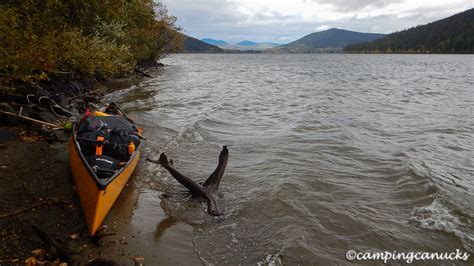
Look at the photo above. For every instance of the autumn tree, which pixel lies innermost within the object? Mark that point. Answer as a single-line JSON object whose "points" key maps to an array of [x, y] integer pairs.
{"points": [[43, 37]]}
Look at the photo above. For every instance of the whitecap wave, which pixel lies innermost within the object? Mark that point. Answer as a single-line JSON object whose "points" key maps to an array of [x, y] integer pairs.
{"points": [[437, 216], [271, 260]]}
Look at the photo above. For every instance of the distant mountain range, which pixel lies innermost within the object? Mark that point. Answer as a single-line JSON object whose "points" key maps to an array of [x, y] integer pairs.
{"points": [[332, 40], [454, 34], [240, 46], [328, 41], [214, 42], [246, 43], [196, 46], [255, 47]]}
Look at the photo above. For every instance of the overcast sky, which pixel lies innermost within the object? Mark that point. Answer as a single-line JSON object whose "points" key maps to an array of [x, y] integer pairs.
{"points": [[283, 21]]}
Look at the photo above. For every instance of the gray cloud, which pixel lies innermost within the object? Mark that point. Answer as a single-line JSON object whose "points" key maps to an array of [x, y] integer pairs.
{"points": [[232, 21], [356, 5]]}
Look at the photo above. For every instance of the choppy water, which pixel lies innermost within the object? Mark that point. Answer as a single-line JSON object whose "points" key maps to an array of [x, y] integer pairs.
{"points": [[329, 153]]}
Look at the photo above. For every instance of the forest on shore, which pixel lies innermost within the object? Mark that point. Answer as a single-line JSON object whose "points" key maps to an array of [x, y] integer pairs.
{"points": [[454, 34], [91, 38]]}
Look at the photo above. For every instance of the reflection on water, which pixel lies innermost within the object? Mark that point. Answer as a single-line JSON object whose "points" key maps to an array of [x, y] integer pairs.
{"points": [[329, 153]]}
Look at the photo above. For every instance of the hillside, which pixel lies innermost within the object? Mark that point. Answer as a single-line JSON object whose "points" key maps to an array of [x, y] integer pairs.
{"points": [[332, 40], [214, 42], [454, 34], [194, 45]]}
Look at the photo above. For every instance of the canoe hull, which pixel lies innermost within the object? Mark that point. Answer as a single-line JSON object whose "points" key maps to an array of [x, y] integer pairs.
{"points": [[96, 202]]}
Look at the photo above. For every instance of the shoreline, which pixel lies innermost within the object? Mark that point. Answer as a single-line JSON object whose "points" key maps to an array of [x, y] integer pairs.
{"points": [[37, 171], [37, 174]]}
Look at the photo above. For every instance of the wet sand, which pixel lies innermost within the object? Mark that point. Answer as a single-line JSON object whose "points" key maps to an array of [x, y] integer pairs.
{"points": [[31, 172], [144, 230], [34, 171]]}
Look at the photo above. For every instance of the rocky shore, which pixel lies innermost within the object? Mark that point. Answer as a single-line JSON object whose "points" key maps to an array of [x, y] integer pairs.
{"points": [[37, 186]]}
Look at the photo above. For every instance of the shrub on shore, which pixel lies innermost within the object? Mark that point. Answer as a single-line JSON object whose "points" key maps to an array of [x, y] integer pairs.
{"points": [[93, 37]]}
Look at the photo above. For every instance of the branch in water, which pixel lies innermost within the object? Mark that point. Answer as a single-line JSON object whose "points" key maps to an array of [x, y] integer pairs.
{"points": [[209, 188]]}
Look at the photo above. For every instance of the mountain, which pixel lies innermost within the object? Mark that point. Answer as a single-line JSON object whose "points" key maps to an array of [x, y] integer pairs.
{"points": [[248, 46], [194, 45], [214, 42], [332, 40], [274, 44], [246, 43], [454, 34], [240, 46]]}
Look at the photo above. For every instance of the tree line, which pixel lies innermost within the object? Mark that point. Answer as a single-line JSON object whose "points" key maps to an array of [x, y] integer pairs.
{"points": [[454, 34]]}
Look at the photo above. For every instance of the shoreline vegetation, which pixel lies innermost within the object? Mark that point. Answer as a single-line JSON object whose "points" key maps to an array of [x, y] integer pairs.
{"points": [[452, 35], [57, 59], [90, 38], [58, 52]]}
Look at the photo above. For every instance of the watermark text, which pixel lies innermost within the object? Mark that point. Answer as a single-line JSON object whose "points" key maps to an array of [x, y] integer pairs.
{"points": [[407, 257]]}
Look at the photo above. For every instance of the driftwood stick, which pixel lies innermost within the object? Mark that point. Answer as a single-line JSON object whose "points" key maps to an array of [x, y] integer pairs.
{"points": [[52, 201], [102, 262], [214, 179], [212, 183], [194, 187], [99, 234], [8, 88], [39, 122], [209, 188], [142, 73], [62, 253]]}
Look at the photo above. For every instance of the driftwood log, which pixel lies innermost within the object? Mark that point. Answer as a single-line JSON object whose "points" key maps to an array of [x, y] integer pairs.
{"points": [[208, 189]]}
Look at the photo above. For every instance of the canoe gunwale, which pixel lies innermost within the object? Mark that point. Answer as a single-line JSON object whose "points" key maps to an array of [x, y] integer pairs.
{"points": [[101, 184]]}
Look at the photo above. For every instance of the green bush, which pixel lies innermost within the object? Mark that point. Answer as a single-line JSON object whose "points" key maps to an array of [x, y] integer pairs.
{"points": [[43, 37]]}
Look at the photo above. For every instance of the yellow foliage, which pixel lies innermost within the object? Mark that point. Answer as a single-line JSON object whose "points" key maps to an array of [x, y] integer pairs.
{"points": [[103, 37]]}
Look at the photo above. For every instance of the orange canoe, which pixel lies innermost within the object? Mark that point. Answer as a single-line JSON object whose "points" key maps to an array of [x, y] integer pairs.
{"points": [[97, 194]]}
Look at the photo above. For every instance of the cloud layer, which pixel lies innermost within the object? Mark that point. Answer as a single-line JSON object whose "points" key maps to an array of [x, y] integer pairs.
{"points": [[287, 20]]}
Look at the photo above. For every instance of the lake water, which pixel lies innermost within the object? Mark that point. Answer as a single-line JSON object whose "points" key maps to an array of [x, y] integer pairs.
{"points": [[328, 153]]}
